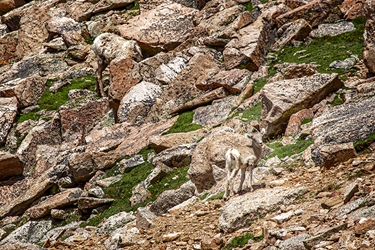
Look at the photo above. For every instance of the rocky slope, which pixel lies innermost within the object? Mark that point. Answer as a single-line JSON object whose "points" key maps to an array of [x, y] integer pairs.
{"points": [[143, 167]]}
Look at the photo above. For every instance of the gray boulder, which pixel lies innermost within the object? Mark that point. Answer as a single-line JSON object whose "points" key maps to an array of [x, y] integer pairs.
{"points": [[334, 29], [179, 156]]}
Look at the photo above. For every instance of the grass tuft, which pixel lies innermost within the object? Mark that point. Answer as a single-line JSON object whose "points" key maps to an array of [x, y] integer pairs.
{"points": [[184, 124], [288, 150], [241, 241], [361, 145]]}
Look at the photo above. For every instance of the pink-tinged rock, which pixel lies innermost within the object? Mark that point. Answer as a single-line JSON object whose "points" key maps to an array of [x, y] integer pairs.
{"points": [[146, 5], [31, 34], [331, 155], [8, 113], [124, 75], [160, 29], [9, 165], [139, 137], [202, 100], [86, 203], [295, 30], [234, 80], [283, 98], [295, 3], [369, 37], [295, 121], [8, 47], [27, 90], [60, 200], [249, 48], [353, 8], [7, 5], [315, 12], [78, 120], [80, 10]]}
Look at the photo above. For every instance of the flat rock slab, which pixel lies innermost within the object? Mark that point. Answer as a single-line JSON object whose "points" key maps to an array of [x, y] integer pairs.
{"points": [[345, 123], [238, 211], [160, 29], [333, 29], [283, 98]]}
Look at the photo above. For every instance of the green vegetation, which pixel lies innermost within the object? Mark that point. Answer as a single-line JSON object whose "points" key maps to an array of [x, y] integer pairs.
{"points": [[338, 100], [216, 196], [241, 241], [324, 51], [361, 145], [288, 150], [121, 191], [184, 124], [249, 6], [253, 113], [136, 6], [259, 83], [52, 101], [307, 120]]}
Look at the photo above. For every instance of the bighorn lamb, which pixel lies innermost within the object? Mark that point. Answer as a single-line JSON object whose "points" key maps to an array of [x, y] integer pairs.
{"points": [[108, 47], [242, 157]]}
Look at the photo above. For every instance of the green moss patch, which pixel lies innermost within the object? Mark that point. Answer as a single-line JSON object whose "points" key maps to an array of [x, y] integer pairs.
{"points": [[288, 150], [184, 124], [240, 241], [361, 145]]}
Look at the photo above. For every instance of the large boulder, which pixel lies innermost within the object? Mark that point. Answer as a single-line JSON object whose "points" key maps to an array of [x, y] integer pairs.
{"points": [[9, 165], [179, 156], [60, 200], [8, 113], [369, 38], [160, 29], [297, 94], [211, 151], [7, 5], [295, 30], [353, 8], [239, 211], [248, 49], [8, 47], [136, 104]]}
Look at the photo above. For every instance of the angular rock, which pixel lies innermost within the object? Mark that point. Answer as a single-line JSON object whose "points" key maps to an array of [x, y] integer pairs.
{"points": [[136, 104], [332, 202], [249, 49], [144, 218], [295, 30], [115, 221], [176, 157], [218, 111], [8, 47], [334, 29], [124, 74], [348, 122], [7, 5], [202, 100], [369, 38], [64, 214], [59, 200], [82, 166], [126, 165], [171, 198], [9, 165], [234, 81], [27, 91], [349, 191], [298, 94], [37, 189], [78, 120], [140, 192], [86, 203], [160, 29], [323, 235], [160, 143], [314, 12], [291, 71], [352, 9], [295, 121], [331, 155], [238, 211], [165, 73], [19, 245], [8, 113], [295, 242]]}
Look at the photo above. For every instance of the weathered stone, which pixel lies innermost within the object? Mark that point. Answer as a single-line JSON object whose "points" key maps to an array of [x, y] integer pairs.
{"points": [[314, 12], [68, 29], [238, 211], [82, 166], [334, 29], [140, 192], [165, 73], [37, 189], [124, 75], [160, 29], [60, 200], [9, 165], [136, 104], [332, 202], [295, 121], [108, 181], [27, 91], [144, 218], [79, 10], [295, 30], [8, 47], [218, 111], [331, 155], [323, 235], [348, 122], [19, 245], [249, 49], [56, 45], [115, 221], [351, 206], [349, 191], [353, 9], [369, 38], [160, 143], [126, 165], [298, 94], [8, 113], [179, 156], [105, 6], [63, 214], [293, 4], [78, 120], [234, 81], [295, 242], [7, 5], [347, 63], [86, 203], [31, 232], [171, 198]]}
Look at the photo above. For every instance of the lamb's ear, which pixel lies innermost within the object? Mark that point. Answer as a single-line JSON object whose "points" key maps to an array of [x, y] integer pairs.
{"points": [[263, 131]]}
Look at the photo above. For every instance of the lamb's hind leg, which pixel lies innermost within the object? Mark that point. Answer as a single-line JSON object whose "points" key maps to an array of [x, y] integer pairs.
{"points": [[243, 171], [99, 78], [251, 178]]}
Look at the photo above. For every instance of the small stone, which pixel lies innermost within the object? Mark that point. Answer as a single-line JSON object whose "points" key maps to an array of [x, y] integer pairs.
{"points": [[350, 191], [171, 237], [332, 202], [283, 217]]}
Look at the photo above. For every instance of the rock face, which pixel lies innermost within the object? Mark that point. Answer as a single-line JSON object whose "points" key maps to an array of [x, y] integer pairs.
{"points": [[9, 166], [296, 30], [8, 5], [8, 47], [160, 29], [238, 211], [249, 49], [298, 93], [8, 112], [369, 38]]}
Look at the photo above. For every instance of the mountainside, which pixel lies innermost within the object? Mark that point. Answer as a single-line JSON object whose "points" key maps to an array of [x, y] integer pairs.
{"points": [[116, 117]]}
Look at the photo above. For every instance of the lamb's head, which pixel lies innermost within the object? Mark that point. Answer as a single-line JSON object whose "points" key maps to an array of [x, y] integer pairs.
{"points": [[257, 138]]}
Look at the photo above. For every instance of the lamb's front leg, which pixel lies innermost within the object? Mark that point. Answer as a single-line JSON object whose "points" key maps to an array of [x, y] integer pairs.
{"points": [[243, 172], [99, 78], [251, 178]]}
